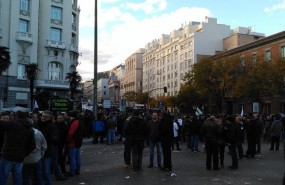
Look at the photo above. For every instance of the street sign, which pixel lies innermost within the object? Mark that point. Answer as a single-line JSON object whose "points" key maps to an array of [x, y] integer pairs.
{"points": [[60, 105]]}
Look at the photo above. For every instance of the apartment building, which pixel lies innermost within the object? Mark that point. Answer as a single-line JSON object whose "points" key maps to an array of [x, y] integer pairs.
{"points": [[168, 58], [133, 75], [43, 33], [116, 76], [268, 49]]}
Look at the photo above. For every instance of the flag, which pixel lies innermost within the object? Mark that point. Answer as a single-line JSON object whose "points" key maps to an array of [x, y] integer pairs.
{"points": [[241, 114], [198, 112], [36, 106]]}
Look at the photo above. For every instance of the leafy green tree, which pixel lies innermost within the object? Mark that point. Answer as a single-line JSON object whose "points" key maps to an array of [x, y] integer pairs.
{"points": [[4, 59], [31, 72], [74, 80]]}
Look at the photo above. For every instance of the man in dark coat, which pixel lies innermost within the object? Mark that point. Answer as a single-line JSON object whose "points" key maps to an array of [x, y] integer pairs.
{"points": [[137, 132], [19, 142], [48, 129], [210, 133], [233, 139], [166, 140]]}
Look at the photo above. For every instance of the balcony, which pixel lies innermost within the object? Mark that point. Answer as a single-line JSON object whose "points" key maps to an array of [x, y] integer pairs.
{"points": [[52, 84], [56, 21], [73, 48], [24, 36], [56, 44], [58, 1], [73, 27]]}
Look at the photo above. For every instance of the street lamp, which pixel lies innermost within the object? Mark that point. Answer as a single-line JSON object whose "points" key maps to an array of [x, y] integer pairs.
{"points": [[95, 61]]}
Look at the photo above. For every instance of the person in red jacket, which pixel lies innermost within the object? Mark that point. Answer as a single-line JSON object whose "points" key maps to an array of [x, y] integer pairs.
{"points": [[74, 143]]}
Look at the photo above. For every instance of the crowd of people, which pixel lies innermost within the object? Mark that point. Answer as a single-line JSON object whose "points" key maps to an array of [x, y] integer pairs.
{"points": [[163, 132], [36, 146]]}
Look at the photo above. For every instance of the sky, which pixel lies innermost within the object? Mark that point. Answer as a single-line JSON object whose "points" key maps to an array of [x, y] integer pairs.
{"points": [[124, 26]]}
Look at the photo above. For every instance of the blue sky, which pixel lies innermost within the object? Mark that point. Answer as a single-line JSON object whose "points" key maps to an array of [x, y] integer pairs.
{"points": [[125, 26]]}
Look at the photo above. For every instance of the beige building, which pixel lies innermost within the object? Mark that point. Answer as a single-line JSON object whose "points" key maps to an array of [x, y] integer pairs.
{"points": [[133, 76], [116, 75], [43, 32], [168, 58]]}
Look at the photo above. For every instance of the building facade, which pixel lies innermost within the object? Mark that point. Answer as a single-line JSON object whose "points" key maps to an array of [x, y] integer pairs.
{"points": [[168, 58], [116, 76], [43, 33], [265, 49]]}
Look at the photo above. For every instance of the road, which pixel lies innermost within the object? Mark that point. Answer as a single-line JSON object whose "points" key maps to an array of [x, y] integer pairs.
{"points": [[104, 165]]}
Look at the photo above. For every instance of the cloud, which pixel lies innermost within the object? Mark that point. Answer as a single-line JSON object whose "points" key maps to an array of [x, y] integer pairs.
{"points": [[121, 33], [149, 6], [275, 7]]}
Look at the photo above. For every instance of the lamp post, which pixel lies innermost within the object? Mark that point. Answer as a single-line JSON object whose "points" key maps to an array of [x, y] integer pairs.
{"points": [[95, 60]]}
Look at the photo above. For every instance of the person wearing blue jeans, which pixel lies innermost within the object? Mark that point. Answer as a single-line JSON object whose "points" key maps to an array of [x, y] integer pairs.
{"points": [[75, 162], [111, 136], [154, 127], [194, 142], [19, 142], [46, 164], [111, 126], [10, 166], [74, 143]]}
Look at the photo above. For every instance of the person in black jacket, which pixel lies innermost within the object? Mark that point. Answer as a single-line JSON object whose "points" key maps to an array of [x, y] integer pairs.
{"points": [[233, 139], [166, 140], [137, 132], [210, 132], [154, 140], [58, 159], [19, 142], [48, 129]]}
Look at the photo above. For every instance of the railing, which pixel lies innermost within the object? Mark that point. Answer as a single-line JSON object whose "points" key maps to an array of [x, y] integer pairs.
{"points": [[24, 36], [58, 1], [56, 44], [73, 48]]}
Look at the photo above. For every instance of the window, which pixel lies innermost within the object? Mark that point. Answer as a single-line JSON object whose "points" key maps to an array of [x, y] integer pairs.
{"points": [[73, 18], [23, 26], [55, 71], [242, 61], [21, 72], [283, 51], [24, 5], [254, 59], [55, 34], [56, 13], [267, 55], [73, 39]]}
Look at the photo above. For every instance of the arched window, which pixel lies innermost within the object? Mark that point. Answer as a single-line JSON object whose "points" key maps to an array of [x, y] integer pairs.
{"points": [[55, 71]]}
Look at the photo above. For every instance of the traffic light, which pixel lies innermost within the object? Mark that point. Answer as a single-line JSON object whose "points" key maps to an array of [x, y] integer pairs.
{"points": [[165, 89]]}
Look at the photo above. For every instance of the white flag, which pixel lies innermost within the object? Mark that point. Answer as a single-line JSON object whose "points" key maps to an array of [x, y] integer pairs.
{"points": [[36, 106], [241, 114], [198, 112]]}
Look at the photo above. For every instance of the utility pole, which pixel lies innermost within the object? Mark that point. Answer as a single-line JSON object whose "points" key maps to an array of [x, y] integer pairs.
{"points": [[95, 60]]}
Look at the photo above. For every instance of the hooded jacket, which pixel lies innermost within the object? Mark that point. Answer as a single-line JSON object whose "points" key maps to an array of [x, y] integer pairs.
{"points": [[19, 139]]}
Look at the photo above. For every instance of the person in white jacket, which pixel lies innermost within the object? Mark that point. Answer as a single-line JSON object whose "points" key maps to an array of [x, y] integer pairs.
{"points": [[32, 166], [176, 135]]}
